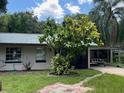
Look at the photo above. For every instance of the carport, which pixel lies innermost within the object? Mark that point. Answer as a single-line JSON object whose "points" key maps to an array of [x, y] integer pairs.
{"points": [[100, 55]]}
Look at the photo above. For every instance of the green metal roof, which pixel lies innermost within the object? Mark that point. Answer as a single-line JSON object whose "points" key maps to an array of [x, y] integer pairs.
{"points": [[21, 38]]}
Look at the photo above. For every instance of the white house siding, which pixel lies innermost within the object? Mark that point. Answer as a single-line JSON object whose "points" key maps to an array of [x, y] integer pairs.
{"points": [[28, 54]]}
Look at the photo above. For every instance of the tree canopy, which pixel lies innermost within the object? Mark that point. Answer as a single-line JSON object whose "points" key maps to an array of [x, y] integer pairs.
{"points": [[106, 14], [121, 33], [21, 22], [3, 4], [71, 37]]}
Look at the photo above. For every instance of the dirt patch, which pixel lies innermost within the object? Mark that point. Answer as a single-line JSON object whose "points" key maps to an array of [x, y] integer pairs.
{"points": [[63, 88]]}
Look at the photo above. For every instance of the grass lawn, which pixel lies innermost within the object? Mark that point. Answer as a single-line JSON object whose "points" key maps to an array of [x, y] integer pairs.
{"points": [[107, 84], [30, 82]]}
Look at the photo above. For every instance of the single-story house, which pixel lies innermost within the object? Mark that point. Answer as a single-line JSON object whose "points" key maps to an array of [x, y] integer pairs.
{"points": [[17, 50]]}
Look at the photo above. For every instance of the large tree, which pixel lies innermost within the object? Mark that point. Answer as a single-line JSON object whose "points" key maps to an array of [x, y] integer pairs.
{"points": [[106, 14], [3, 9], [68, 39], [121, 33], [3, 4], [4, 21], [22, 22]]}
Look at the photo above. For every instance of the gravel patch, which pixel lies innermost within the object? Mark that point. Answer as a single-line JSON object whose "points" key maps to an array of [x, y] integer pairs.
{"points": [[63, 88]]}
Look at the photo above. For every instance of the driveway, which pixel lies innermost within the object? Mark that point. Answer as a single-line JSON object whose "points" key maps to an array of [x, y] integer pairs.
{"points": [[110, 70]]}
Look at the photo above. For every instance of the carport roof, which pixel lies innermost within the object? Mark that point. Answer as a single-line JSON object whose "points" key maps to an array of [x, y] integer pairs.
{"points": [[19, 38]]}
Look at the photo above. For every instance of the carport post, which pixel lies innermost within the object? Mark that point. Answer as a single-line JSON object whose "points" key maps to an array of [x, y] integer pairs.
{"points": [[119, 59], [111, 55], [88, 57]]}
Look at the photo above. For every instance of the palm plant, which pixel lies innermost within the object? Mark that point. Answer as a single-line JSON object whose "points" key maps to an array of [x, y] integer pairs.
{"points": [[107, 15], [121, 33]]}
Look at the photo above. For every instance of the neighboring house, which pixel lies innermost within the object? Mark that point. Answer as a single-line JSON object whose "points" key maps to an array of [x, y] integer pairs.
{"points": [[17, 49]]}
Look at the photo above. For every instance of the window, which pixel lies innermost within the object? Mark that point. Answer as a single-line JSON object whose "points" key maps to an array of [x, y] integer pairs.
{"points": [[13, 55], [40, 55]]}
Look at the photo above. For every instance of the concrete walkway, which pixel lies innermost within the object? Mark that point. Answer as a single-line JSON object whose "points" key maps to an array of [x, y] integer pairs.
{"points": [[110, 70]]}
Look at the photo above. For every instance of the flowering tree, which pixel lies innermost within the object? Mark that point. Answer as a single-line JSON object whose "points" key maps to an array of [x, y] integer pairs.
{"points": [[71, 37]]}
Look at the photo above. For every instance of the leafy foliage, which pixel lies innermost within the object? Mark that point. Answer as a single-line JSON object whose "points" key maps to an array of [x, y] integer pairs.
{"points": [[28, 65], [4, 21], [60, 65], [106, 14], [71, 37], [3, 4], [121, 33], [22, 22]]}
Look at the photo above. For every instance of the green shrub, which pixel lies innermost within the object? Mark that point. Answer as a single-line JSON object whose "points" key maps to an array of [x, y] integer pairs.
{"points": [[122, 59], [60, 65]]}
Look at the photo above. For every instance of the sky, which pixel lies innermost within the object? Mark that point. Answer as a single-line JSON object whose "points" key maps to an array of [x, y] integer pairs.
{"points": [[56, 9]]}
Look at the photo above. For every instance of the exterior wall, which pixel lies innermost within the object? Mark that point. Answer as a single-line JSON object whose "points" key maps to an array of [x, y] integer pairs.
{"points": [[28, 54]]}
